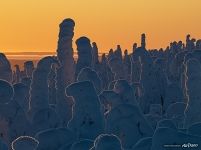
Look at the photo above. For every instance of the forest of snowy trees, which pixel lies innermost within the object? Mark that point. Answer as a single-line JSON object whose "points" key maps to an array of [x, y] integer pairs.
{"points": [[145, 100]]}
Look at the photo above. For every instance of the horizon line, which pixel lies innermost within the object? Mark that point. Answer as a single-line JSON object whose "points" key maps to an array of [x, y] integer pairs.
{"points": [[36, 53]]}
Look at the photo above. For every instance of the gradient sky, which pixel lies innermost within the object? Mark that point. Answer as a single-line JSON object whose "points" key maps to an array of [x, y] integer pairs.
{"points": [[32, 25]]}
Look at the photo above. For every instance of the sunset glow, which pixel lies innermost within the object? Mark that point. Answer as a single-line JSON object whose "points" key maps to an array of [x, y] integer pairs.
{"points": [[32, 25]]}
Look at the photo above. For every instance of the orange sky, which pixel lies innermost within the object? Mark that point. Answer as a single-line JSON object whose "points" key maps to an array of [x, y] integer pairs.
{"points": [[32, 25]]}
